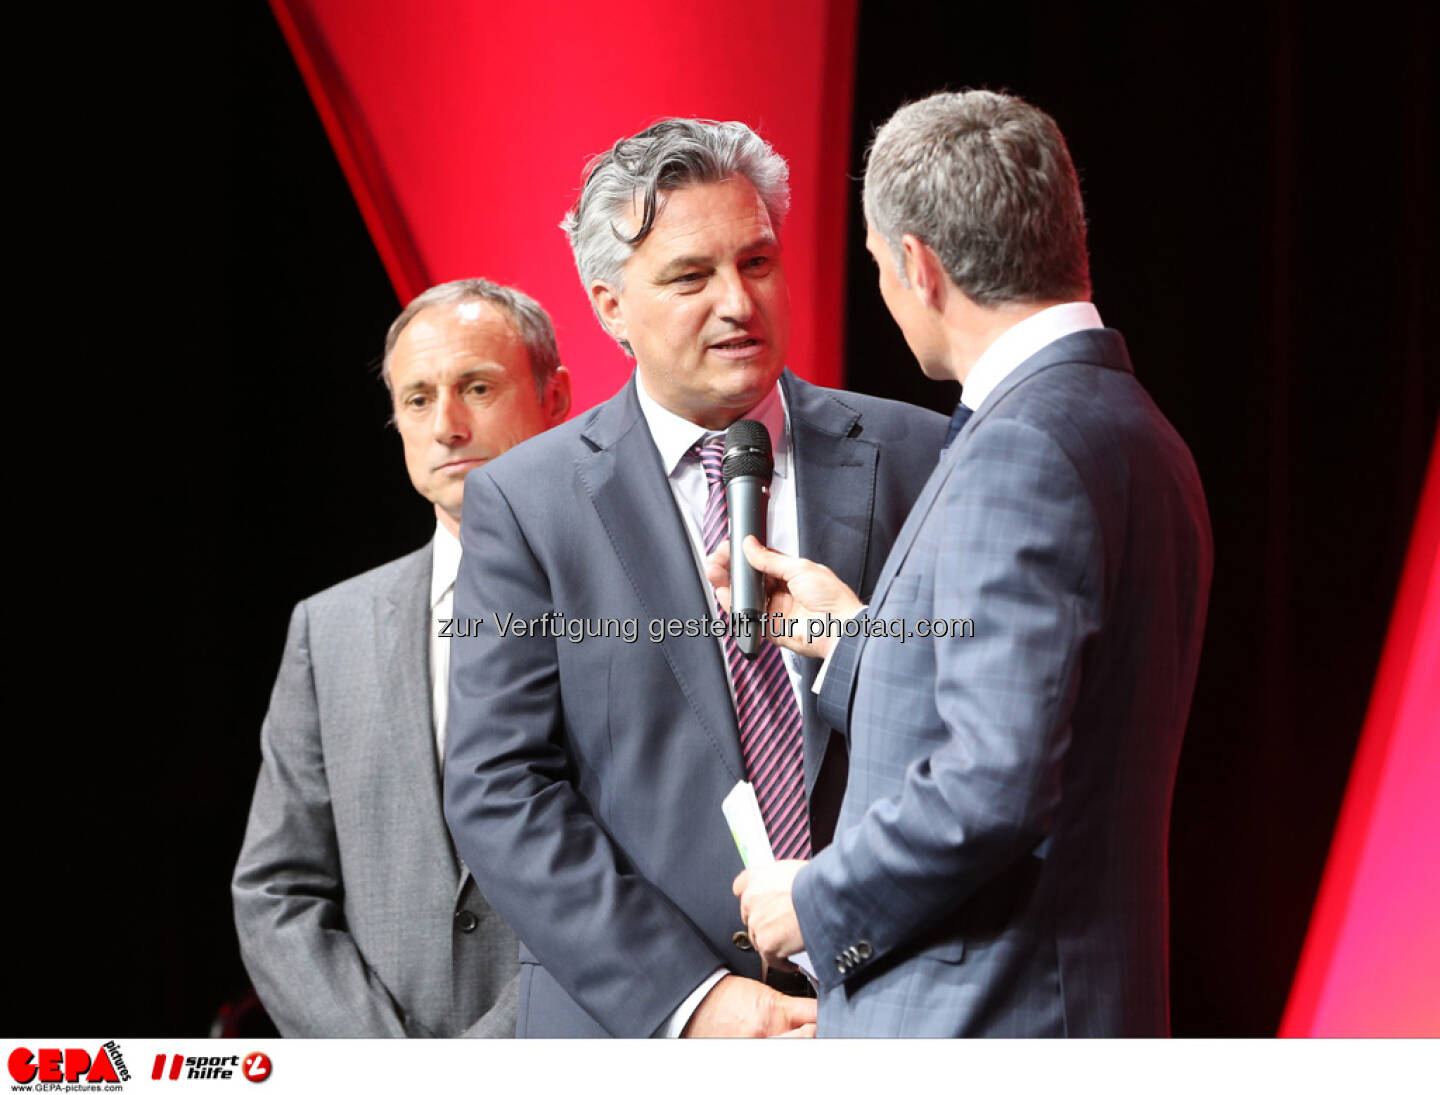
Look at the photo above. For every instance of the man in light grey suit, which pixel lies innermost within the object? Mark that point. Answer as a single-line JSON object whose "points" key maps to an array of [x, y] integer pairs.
{"points": [[355, 917], [588, 755], [999, 866]]}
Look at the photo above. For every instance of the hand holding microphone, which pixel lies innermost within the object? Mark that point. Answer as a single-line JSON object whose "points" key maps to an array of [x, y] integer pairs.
{"points": [[799, 590]]}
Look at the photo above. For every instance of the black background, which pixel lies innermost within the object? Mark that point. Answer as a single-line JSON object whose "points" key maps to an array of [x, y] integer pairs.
{"points": [[1259, 186]]}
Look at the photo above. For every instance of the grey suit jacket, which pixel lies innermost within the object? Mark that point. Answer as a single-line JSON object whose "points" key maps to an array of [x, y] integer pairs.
{"points": [[354, 917], [584, 779], [999, 866]]}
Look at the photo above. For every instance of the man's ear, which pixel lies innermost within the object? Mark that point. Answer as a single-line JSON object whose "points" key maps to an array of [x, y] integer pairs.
{"points": [[557, 395], [608, 308], [924, 271]]}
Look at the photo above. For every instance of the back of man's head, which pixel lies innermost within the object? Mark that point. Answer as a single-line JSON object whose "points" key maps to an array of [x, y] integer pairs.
{"points": [[986, 181], [624, 187]]}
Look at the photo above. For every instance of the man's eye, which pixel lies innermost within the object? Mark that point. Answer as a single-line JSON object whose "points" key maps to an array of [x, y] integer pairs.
{"points": [[417, 402], [758, 262], [689, 279], [477, 389]]}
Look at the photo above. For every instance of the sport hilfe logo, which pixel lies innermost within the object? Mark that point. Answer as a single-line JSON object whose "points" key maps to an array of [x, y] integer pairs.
{"points": [[255, 1067], [70, 1065]]}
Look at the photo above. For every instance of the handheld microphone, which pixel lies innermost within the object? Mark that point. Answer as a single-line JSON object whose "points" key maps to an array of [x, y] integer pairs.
{"points": [[746, 472]]}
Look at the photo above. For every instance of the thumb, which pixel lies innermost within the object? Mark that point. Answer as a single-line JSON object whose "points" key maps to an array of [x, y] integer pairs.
{"points": [[800, 1010], [806, 1031], [772, 563], [741, 883]]}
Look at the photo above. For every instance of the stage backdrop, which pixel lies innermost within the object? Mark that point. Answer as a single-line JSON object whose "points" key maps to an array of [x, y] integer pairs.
{"points": [[463, 130], [1371, 964]]}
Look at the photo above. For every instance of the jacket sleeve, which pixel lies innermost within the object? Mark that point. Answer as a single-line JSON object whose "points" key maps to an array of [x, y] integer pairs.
{"points": [[1019, 552], [614, 942], [287, 889]]}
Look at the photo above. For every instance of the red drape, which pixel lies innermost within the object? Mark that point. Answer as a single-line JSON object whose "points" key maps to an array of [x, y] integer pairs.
{"points": [[1371, 963], [463, 129]]}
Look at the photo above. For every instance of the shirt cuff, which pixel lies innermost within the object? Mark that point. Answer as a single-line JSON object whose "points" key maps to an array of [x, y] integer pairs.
{"points": [[675, 1025]]}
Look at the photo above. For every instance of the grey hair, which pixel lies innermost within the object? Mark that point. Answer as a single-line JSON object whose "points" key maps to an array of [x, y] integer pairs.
{"points": [[638, 171], [530, 322], [984, 179]]}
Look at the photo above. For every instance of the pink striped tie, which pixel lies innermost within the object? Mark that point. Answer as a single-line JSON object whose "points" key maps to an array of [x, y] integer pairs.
{"points": [[765, 707]]}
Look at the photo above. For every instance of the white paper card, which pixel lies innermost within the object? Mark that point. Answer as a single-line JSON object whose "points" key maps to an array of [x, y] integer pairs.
{"points": [[742, 814]]}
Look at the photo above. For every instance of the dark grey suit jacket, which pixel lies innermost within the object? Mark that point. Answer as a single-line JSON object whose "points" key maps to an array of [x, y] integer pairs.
{"points": [[354, 917], [584, 779], [999, 865]]}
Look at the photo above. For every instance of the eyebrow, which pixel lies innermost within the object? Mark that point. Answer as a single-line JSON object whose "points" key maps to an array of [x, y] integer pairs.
{"points": [[675, 265], [488, 370]]}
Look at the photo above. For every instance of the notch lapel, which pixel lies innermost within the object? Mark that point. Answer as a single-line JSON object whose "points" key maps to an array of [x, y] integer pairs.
{"points": [[835, 503], [402, 639], [631, 495]]}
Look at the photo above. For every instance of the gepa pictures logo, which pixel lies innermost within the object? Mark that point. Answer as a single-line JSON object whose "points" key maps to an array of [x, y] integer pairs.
{"points": [[72, 1065]]}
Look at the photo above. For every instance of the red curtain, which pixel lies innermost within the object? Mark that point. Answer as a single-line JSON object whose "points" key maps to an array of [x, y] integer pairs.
{"points": [[1371, 963], [463, 129]]}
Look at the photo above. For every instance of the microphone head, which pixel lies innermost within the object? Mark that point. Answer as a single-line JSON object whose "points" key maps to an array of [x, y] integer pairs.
{"points": [[747, 452]]}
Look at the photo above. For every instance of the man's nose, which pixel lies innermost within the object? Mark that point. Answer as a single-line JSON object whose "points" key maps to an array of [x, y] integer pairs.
{"points": [[735, 304], [452, 421]]}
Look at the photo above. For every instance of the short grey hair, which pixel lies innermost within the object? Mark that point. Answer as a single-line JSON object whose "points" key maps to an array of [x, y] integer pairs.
{"points": [[633, 177], [984, 179], [529, 321]]}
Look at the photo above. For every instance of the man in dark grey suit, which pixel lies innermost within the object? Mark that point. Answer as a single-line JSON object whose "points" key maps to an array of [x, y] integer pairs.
{"points": [[590, 750], [355, 917], [999, 866]]}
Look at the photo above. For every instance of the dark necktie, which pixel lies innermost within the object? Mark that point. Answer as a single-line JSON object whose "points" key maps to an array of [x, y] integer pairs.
{"points": [[957, 423], [770, 727]]}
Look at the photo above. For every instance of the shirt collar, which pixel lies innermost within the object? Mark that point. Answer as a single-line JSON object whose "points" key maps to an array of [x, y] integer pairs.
{"points": [[675, 436], [1023, 341], [444, 563]]}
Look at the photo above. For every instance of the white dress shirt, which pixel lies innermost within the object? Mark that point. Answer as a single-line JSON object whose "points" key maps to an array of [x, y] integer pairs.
{"points": [[444, 566], [675, 437], [1022, 342]]}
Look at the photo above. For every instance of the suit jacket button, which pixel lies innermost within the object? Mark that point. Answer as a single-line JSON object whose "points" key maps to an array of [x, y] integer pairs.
{"points": [[742, 941], [863, 950], [839, 964], [466, 920]]}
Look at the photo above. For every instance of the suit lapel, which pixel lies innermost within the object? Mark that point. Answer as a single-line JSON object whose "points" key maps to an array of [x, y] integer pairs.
{"points": [[402, 634], [834, 480], [628, 488], [908, 531], [835, 501]]}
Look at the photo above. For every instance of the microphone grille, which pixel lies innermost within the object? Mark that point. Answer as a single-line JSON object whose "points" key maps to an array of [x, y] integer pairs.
{"points": [[747, 451]]}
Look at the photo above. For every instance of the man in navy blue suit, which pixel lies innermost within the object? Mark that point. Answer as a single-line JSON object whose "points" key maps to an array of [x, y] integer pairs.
{"points": [[999, 866], [588, 756]]}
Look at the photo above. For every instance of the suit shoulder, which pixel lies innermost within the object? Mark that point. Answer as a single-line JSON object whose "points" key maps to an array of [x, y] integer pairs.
{"points": [[1079, 400], [362, 588], [884, 419], [538, 455]]}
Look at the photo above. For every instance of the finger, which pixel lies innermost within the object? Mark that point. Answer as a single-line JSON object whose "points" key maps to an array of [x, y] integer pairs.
{"points": [[742, 881], [717, 565]]}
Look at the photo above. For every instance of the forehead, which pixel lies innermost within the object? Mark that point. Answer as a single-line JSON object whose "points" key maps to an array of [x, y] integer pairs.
{"points": [[453, 338], [707, 219]]}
